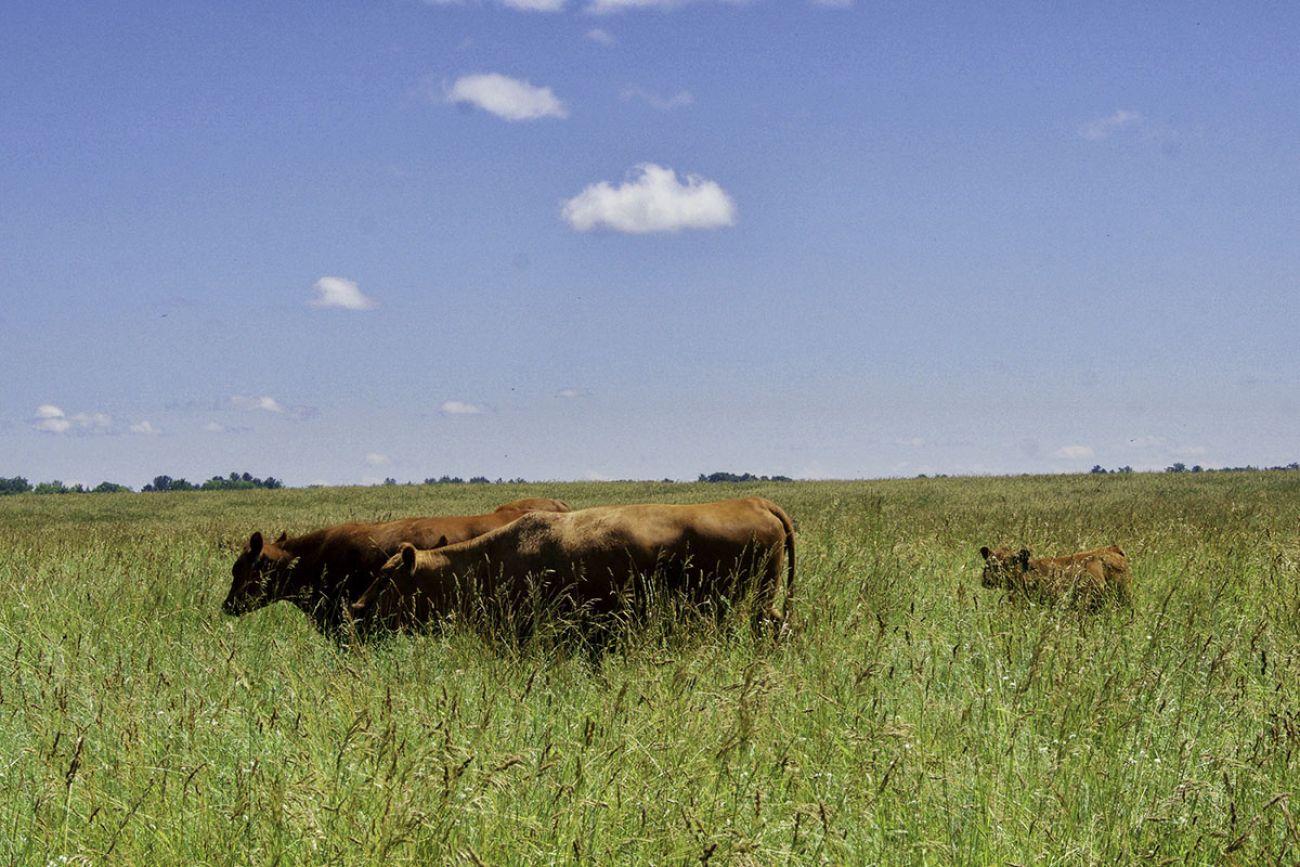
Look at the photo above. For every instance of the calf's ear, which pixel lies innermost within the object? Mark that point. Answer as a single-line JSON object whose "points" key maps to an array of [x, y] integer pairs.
{"points": [[1024, 558], [984, 552], [255, 543], [408, 556], [441, 543], [284, 535]]}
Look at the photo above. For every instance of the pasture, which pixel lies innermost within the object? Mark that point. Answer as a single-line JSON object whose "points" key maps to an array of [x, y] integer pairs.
{"points": [[911, 718]]}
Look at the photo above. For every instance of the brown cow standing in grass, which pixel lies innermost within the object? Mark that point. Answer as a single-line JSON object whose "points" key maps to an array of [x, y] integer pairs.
{"points": [[1088, 578], [592, 562], [322, 571]]}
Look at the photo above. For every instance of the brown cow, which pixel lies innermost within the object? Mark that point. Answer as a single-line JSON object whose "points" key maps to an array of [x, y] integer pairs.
{"points": [[322, 571], [1088, 578], [593, 561]]}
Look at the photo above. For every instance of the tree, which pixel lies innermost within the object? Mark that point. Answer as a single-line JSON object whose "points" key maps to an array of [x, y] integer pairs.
{"points": [[109, 488], [1097, 469], [1178, 467], [16, 485]]}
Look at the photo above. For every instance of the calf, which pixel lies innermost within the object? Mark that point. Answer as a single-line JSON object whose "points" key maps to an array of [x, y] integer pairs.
{"points": [[322, 571], [1088, 578], [592, 562]]}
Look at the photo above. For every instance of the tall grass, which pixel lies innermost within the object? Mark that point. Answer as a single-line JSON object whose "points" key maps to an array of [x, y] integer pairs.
{"points": [[911, 717]]}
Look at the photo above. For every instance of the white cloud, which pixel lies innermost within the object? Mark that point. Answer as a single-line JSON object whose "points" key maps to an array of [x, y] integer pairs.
{"points": [[214, 427], [570, 393], [911, 442], [506, 97], [651, 200], [1073, 453], [460, 407], [52, 419], [660, 103], [601, 35], [144, 427], [340, 292], [833, 4], [93, 421], [1104, 127], [375, 459], [264, 403]]}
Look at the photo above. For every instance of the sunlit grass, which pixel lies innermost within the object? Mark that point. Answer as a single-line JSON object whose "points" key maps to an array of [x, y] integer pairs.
{"points": [[912, 717]]}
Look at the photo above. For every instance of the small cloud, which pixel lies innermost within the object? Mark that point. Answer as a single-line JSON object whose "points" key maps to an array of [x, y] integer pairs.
{"points": [[144, 427], [570, 393], [593, 476], [833, 4], [1073, 453], [52, 419], [264, 403], [340, 292], [97, 422], [375, 459], [507, 98], [651, 200], [911, 442], [460, 407], [659, 103], [601, 36], [1104, 127], [214, 427]]}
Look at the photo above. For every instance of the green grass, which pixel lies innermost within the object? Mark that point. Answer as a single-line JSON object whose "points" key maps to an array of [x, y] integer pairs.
{"points": [[912, 717]]}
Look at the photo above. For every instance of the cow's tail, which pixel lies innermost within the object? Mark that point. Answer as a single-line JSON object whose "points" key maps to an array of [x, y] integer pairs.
{"points": [[781, 516]]}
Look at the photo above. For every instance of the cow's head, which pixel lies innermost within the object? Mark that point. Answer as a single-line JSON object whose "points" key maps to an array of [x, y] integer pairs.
{"points": [[262, 574], [1003, 567], [394, 575]]}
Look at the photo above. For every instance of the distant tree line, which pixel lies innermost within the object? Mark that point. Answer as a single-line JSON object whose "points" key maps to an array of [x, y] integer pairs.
{"points": [[19, 485], [233, 482], [742, 477], [1183, 468], [1180, 467]]}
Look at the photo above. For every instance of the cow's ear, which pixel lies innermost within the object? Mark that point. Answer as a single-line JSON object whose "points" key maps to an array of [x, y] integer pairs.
{"points": [[408, 556], [984, 551], [255, 543], [1024, 559], [441, 543], [284, 536]]}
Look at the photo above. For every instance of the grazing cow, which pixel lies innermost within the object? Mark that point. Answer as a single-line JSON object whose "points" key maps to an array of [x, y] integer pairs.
{"points": [[1087, 578], [592, 562], [322, 571]]}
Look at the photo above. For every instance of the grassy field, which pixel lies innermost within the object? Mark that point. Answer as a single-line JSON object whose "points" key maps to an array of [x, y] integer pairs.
{"points": [[911, 718]]}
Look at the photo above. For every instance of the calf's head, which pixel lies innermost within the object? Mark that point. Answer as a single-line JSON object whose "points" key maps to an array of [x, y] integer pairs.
{"points": [[261, 575], [1003, 567]]}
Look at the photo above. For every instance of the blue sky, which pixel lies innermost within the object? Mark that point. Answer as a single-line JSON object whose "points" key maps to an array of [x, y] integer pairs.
{"points": [[334, 242]]}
